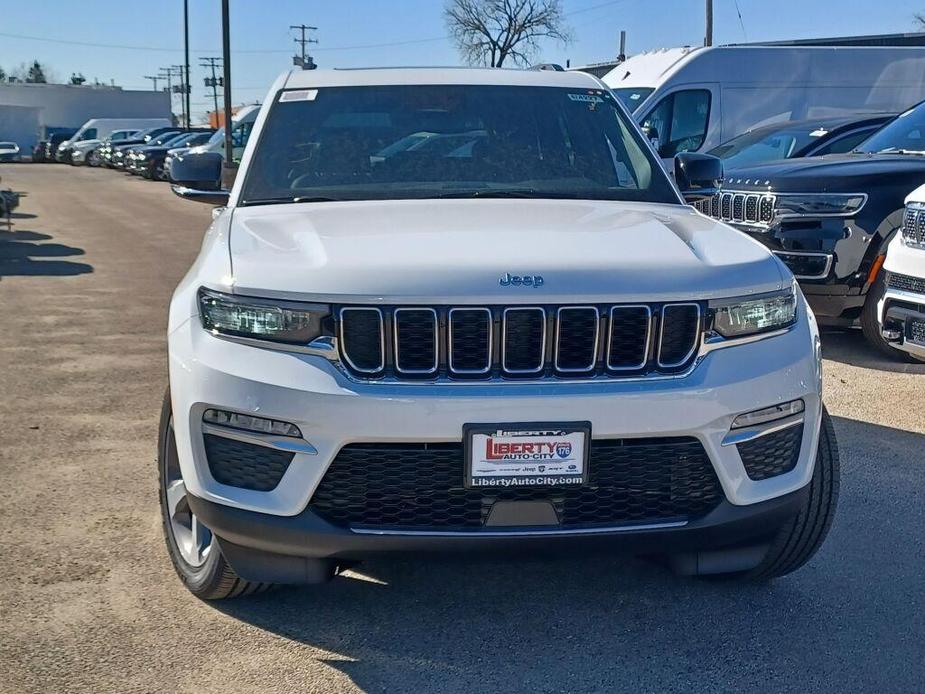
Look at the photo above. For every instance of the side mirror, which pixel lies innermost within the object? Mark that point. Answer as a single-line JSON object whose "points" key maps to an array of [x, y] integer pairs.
{"points": [[699, 176], [198, 177]]}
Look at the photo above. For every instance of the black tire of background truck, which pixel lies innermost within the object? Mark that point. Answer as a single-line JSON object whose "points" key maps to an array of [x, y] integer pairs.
{"points": [[799, 539], [870, 326], [215, 579]]}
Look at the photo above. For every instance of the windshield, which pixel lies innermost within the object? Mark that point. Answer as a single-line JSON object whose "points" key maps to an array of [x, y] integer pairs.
{"points": [[905, 133], [161, 139], [633, 97], [426, 141], [217, 137], [766, 144]]}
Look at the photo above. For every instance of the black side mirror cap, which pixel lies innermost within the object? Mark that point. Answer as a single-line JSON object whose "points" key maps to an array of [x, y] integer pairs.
{"points": [[198, 176], [698, 176]]}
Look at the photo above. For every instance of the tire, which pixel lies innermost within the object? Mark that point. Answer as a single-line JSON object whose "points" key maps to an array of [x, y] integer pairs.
{"points": [[799, 539], [870, 325], [93, 159], [209, 579]]}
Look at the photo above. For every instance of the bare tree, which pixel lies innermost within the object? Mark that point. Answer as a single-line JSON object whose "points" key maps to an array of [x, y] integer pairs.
{"points": [[490, 32]]}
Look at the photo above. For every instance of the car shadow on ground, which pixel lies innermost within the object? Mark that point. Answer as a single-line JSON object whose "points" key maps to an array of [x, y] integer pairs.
{"points": [[604, 623], [23, 254], [848, 346]]}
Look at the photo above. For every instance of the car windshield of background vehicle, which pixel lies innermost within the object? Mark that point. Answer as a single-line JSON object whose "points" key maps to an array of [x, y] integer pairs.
{"points": [[632, 98], [435, 141], [903, 135], [764, 144]]}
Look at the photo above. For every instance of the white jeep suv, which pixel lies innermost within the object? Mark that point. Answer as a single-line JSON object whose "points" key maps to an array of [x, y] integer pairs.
{"points": [[460, 310]]}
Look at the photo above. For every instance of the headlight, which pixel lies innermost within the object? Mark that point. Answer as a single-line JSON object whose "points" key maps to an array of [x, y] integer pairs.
{"points": [[810, 204], [261, 319], [750, 316]]}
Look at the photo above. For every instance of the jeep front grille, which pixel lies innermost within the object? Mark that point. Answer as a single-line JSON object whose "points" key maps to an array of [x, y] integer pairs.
{"points": [[914, 225], [755, 209], [518, 342]]}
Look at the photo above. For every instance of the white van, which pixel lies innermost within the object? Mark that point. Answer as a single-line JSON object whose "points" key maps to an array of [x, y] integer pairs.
{"points": [[101, 128], [694, 99], [242, 123]]}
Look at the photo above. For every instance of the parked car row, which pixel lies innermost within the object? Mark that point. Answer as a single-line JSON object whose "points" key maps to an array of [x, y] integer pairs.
{"points": [[829, 210]]}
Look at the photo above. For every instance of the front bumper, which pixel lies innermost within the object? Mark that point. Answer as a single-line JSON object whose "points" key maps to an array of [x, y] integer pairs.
{"points": [[332, 411], [256, 543], [904, 313]]}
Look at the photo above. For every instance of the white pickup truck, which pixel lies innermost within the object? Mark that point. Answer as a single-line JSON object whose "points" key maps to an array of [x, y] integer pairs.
{"points": [[901, 310], [466, 311]]}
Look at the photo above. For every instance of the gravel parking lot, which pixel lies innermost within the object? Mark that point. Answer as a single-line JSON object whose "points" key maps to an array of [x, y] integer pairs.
{"points": [[90, 603]]}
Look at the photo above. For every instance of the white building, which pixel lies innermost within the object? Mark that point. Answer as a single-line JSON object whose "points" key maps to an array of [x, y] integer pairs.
{"points": [[28, 111]]}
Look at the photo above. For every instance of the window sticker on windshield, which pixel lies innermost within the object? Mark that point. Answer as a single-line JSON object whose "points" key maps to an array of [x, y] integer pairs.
{"points": [[590, 98], [299, 95], [819, 133]]}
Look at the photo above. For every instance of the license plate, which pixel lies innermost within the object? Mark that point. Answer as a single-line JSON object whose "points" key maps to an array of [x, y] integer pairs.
{"points": [[526, 455]]}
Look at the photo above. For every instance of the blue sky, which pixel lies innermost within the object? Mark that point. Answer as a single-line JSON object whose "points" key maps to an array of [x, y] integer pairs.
{"points": [[352, 33]]}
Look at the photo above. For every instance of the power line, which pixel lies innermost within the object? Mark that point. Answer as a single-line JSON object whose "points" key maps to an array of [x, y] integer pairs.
{"points": [[252, 51]]}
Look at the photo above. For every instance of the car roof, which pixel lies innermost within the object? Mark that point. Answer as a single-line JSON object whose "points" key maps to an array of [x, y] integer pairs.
{"points": [[436, 75]]}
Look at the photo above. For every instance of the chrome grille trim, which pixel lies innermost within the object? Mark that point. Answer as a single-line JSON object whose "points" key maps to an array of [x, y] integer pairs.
{"points": [[504, 321], [740, 207], [648, 340], [491, 333], [597, 333], [695, 338], [549, 344], [396, 323], [343, 341], [913, 228]]}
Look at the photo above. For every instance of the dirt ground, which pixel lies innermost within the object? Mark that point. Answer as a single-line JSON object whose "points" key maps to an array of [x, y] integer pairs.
{"points": [[90, 603]]}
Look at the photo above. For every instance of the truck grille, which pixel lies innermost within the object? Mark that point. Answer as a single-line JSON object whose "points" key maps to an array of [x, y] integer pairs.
{"points": [[906, 283], [412, 342], [420, 486], [914, 225], [756, 209]]}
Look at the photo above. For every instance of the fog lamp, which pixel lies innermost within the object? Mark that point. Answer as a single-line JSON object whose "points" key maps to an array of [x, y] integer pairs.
{"points": [[246, 422], [768, 414]]}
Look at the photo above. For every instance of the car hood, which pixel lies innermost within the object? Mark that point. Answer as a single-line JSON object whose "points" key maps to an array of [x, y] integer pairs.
{"points": [[453, 251], [829, 173]]}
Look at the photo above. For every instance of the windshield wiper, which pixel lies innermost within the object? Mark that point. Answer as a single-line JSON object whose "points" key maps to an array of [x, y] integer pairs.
{"points": [[288, 201], [500, 193], [895, 150]]}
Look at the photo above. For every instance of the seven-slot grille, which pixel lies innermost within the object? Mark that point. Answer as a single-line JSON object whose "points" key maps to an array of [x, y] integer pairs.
{"points": [[422, 342], [756, 209], [914, 225]]}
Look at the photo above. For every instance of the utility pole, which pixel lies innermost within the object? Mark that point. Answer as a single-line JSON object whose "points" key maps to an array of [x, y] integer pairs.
{"points": [[184, 90], [186, 94], [304, 61], [708, 39], [229, 167], [213, 81], [154, 79]]}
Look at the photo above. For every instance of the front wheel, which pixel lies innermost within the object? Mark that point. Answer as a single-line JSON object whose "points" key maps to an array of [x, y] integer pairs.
{"points": [[800, 538], [192, 547]]}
